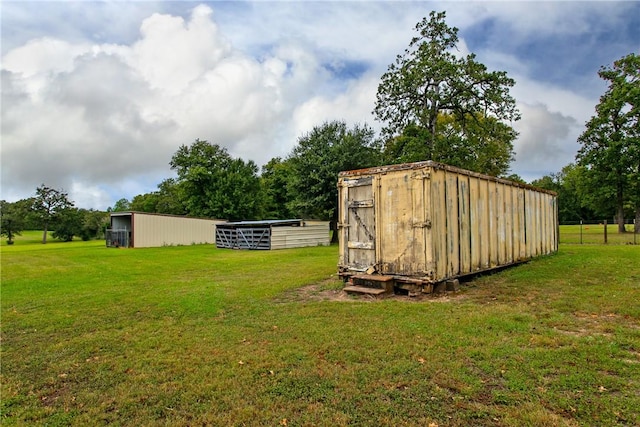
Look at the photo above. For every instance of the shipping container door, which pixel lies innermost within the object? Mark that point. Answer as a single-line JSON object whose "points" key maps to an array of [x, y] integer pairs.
{"points": [[360, 229], [403, 221]]}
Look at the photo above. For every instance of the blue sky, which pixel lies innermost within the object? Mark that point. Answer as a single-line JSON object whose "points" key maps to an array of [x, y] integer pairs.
{"points": [[97, 96]]}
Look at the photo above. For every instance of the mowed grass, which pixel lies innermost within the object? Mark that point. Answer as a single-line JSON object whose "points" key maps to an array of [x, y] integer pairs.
{"points": [[196, 335]]}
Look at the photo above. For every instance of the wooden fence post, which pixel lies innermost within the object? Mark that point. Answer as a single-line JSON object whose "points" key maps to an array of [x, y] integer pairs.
{"points": [[580, 231], [605, 231]]}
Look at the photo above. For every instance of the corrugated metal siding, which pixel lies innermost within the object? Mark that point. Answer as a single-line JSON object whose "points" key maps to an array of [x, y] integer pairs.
{"points": [[312, 233], [159, 230], [437, 222], [487, 223]]}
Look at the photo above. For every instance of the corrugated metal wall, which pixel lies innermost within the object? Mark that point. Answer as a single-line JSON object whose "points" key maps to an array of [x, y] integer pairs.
{"points": [[436, 222], [160, 230], [480, 223], [312, 233]]}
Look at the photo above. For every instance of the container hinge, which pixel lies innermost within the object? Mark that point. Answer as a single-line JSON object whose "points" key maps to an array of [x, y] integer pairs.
{"points": [[421, 176], [342, 225], [425, 224]]}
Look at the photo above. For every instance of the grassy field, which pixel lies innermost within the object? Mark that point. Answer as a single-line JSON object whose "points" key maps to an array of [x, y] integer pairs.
{"points": [[194, 335], [594, 234]]}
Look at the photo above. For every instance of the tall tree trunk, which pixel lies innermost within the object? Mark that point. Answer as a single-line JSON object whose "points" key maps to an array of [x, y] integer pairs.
{"points": [[432, 137], [433, 121], [333, 226], [620, 203], [44, 233], [636, 228], [620, 220]]}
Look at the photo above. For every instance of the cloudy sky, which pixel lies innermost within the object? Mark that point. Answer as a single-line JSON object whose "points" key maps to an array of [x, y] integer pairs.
{"points": [[98, 95]]}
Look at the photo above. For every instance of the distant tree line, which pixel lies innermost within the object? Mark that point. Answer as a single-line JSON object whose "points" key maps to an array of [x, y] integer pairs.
{"points": [[211, 183], [51, 210], [434, 106]]}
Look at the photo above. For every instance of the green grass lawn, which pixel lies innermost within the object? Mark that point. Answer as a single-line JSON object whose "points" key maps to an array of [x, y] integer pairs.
{"points": [[195, 335]]}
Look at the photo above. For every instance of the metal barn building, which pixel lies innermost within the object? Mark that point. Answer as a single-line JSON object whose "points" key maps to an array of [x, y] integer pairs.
{"points": [[414, 225], [272, 234], [144, 230]]}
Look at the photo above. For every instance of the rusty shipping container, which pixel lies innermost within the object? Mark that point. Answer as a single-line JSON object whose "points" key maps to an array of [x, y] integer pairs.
{"points": [[418, 224]]}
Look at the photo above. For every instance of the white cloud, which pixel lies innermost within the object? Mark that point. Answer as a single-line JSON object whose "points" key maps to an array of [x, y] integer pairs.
{"points": [[88, 195], [35, 62], [172, 53], [546, 141], [552, 120], [42, 56], [352, 106], [556, 98]]}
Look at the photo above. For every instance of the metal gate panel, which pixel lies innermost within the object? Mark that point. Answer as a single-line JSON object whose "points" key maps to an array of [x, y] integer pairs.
{"points": [[225, 237], [254, 238], [243, 238]]}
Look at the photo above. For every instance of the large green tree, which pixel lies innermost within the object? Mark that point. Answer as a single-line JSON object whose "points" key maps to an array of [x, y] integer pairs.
{"points": [[429, 81], [83, 223], [275, 179], [68, 224], [215, 185], [122, 205], [11, 220], [573, 193], [168, 199], [94, 224], [482, 144], [171, 198], [47, 205], [146, 202], [479, 143], [316, 161], [610, 149]]}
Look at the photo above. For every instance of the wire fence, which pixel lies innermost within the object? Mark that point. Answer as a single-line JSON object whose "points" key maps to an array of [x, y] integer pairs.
{"points": [[598, 232], [117, 238]]}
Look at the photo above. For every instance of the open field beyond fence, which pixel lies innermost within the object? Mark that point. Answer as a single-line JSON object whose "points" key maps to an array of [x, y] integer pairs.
{"points": [[196, 335], [594, 233]]}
